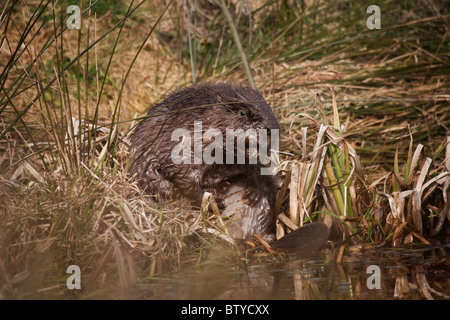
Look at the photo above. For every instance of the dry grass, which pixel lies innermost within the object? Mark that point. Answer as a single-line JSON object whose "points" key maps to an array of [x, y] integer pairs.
{"points": [[66, 194], [330, 182], [98, 220]]}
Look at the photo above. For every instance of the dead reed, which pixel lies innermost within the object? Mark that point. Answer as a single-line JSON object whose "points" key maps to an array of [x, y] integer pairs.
{"points": [[407, 205]]}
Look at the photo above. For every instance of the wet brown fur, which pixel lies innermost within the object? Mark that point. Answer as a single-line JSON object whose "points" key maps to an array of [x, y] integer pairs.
{"points": [[218, 105]]}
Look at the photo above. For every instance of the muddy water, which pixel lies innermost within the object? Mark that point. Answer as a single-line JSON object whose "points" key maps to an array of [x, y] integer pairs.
{"points": [[362, 273]]}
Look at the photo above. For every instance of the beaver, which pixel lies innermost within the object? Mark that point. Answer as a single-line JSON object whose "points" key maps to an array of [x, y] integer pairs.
{"points": [[247, 219], [219, 106]]}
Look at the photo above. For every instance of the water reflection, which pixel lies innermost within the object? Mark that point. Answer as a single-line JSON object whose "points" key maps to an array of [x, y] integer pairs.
{"points": [[422, 273]]}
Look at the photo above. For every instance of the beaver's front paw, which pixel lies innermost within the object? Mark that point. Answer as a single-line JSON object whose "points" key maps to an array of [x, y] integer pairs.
{"points": [[220, 204], [252, 196]]}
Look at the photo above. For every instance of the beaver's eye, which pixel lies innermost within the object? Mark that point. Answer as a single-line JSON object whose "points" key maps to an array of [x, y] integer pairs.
{"points": [[242, 113]]}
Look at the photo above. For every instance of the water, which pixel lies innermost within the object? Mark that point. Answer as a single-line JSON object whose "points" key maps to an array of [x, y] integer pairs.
{"points": [[362, 273]]}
